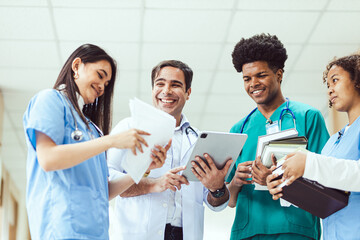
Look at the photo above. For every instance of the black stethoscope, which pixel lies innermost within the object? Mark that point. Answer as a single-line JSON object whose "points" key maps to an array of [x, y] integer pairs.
{"points": [[188, 129], [283, 112], [77, 134]]}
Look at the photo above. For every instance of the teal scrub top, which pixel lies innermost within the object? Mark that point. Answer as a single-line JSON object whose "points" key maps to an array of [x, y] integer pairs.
{"points": [[256, 211]]}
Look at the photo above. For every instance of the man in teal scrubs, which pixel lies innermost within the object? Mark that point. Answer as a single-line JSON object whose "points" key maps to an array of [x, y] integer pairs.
{"points": [[261, 59]]}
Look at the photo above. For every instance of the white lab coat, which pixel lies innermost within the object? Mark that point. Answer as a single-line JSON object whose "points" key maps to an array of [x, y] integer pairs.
{"points": [[144, 217], [322, 169]]}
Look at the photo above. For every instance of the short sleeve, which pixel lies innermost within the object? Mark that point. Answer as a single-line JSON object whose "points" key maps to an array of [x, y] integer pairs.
{"points": [[46, 114]]}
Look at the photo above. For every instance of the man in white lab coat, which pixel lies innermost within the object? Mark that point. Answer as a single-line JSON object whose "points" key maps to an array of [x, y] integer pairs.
{"points": [[164, 205]]}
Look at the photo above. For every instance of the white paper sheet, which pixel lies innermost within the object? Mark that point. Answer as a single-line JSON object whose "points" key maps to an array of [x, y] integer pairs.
{"points": [[159, 124]]}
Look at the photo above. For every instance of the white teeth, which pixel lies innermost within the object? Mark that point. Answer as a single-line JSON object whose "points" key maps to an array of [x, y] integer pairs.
{"points": [[167, 101], [257, 91]]}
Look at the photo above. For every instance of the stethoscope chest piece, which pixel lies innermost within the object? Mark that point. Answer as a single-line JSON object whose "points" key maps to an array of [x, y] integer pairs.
{"points": [[77, 135]]}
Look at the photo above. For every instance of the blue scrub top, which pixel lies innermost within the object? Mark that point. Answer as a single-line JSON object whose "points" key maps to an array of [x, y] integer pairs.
{"points": [[344, 224], [70, 203]]}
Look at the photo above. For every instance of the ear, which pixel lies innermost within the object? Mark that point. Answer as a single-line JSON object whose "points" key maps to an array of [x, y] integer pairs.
{"points": [[188, 93], [279, 75], [75, 64]]}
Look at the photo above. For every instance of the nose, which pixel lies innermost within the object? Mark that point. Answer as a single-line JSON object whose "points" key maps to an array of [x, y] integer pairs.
{"points": [[330, 90], [101, 87], [254, 82], [168, 89]]}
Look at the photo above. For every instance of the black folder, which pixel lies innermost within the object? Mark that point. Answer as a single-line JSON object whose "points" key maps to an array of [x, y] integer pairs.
{"points": [[314, 198]]}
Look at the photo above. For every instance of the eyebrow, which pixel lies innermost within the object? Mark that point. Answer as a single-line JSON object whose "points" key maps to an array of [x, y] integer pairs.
{"points": [[255, 74], [163, 79], [104, 72], [333, 75]]}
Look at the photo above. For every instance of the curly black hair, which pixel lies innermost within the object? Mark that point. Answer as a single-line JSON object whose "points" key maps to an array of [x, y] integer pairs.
{"points": [[261, 47], [350, 64]]}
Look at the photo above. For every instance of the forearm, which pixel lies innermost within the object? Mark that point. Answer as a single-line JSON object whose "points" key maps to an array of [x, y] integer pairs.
{"points": [[145, 186], [234, 191], [215, 202], [56, 157], [323, 169], [119, 185]]}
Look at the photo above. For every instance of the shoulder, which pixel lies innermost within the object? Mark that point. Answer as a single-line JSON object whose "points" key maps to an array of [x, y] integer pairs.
{"points": [[237, 126], [48, 98], [304, 108], [48, 94]]}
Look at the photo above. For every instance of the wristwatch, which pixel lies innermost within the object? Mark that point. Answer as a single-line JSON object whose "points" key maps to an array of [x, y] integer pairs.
{"points": [[219, 193]]}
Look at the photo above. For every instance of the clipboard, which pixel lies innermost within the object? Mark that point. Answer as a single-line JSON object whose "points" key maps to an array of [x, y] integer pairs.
{"points": [[221, 146]]}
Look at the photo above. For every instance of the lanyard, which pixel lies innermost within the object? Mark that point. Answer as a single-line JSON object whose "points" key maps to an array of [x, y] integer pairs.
{"points": [[283, 112]]}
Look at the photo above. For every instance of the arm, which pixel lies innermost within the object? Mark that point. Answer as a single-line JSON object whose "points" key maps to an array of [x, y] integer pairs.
{"points": [[171, 180], [124, 181], [323, 169], [212, 178], [53, 157], [243, 172]]}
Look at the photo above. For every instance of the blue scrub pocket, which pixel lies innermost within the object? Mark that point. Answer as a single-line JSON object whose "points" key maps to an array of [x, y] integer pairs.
{"points": [[88, 210]]}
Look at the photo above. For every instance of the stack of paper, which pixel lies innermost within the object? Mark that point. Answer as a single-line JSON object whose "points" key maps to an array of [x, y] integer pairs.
{"points": [[159, 124]]}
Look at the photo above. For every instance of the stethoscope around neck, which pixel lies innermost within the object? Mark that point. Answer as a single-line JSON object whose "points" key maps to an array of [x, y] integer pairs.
{"points": [[283, 112], [77, 134]]}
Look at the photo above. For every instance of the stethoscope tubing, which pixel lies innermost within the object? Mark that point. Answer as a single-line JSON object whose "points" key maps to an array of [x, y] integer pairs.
{"points": [[283, 112], [77, 134]]}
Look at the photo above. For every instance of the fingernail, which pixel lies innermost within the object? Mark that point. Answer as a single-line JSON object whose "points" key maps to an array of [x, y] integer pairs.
{"points": [[192, 163]]}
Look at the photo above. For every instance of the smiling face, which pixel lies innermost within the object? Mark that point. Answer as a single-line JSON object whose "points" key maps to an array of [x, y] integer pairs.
{"points": [[261, 83], [169, 92], [91, 78], [341, 89]]}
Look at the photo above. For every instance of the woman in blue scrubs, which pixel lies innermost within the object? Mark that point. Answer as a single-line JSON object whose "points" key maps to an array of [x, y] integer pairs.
{"points": [[67, 175], [338, 164]]}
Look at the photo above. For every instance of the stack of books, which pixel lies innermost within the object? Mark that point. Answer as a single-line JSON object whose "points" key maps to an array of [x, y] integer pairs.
{"points": [[280, 144]]}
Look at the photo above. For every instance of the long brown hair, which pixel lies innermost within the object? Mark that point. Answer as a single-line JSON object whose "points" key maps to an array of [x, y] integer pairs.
{"points": [[99, 112]]}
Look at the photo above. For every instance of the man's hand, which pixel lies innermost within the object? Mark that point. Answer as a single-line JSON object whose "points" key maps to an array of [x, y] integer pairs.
{"points": [[260, 172], [171, 180], [208, 174], [158, 156], [243, 172]]}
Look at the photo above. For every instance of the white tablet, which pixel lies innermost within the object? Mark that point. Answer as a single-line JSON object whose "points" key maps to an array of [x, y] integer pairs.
{"points": [[221, 146]]}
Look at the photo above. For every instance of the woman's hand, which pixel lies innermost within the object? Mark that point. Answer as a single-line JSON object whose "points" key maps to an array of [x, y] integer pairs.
{"points": [[294, 166], [130, 139], [158, 155], [275, 191]]}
